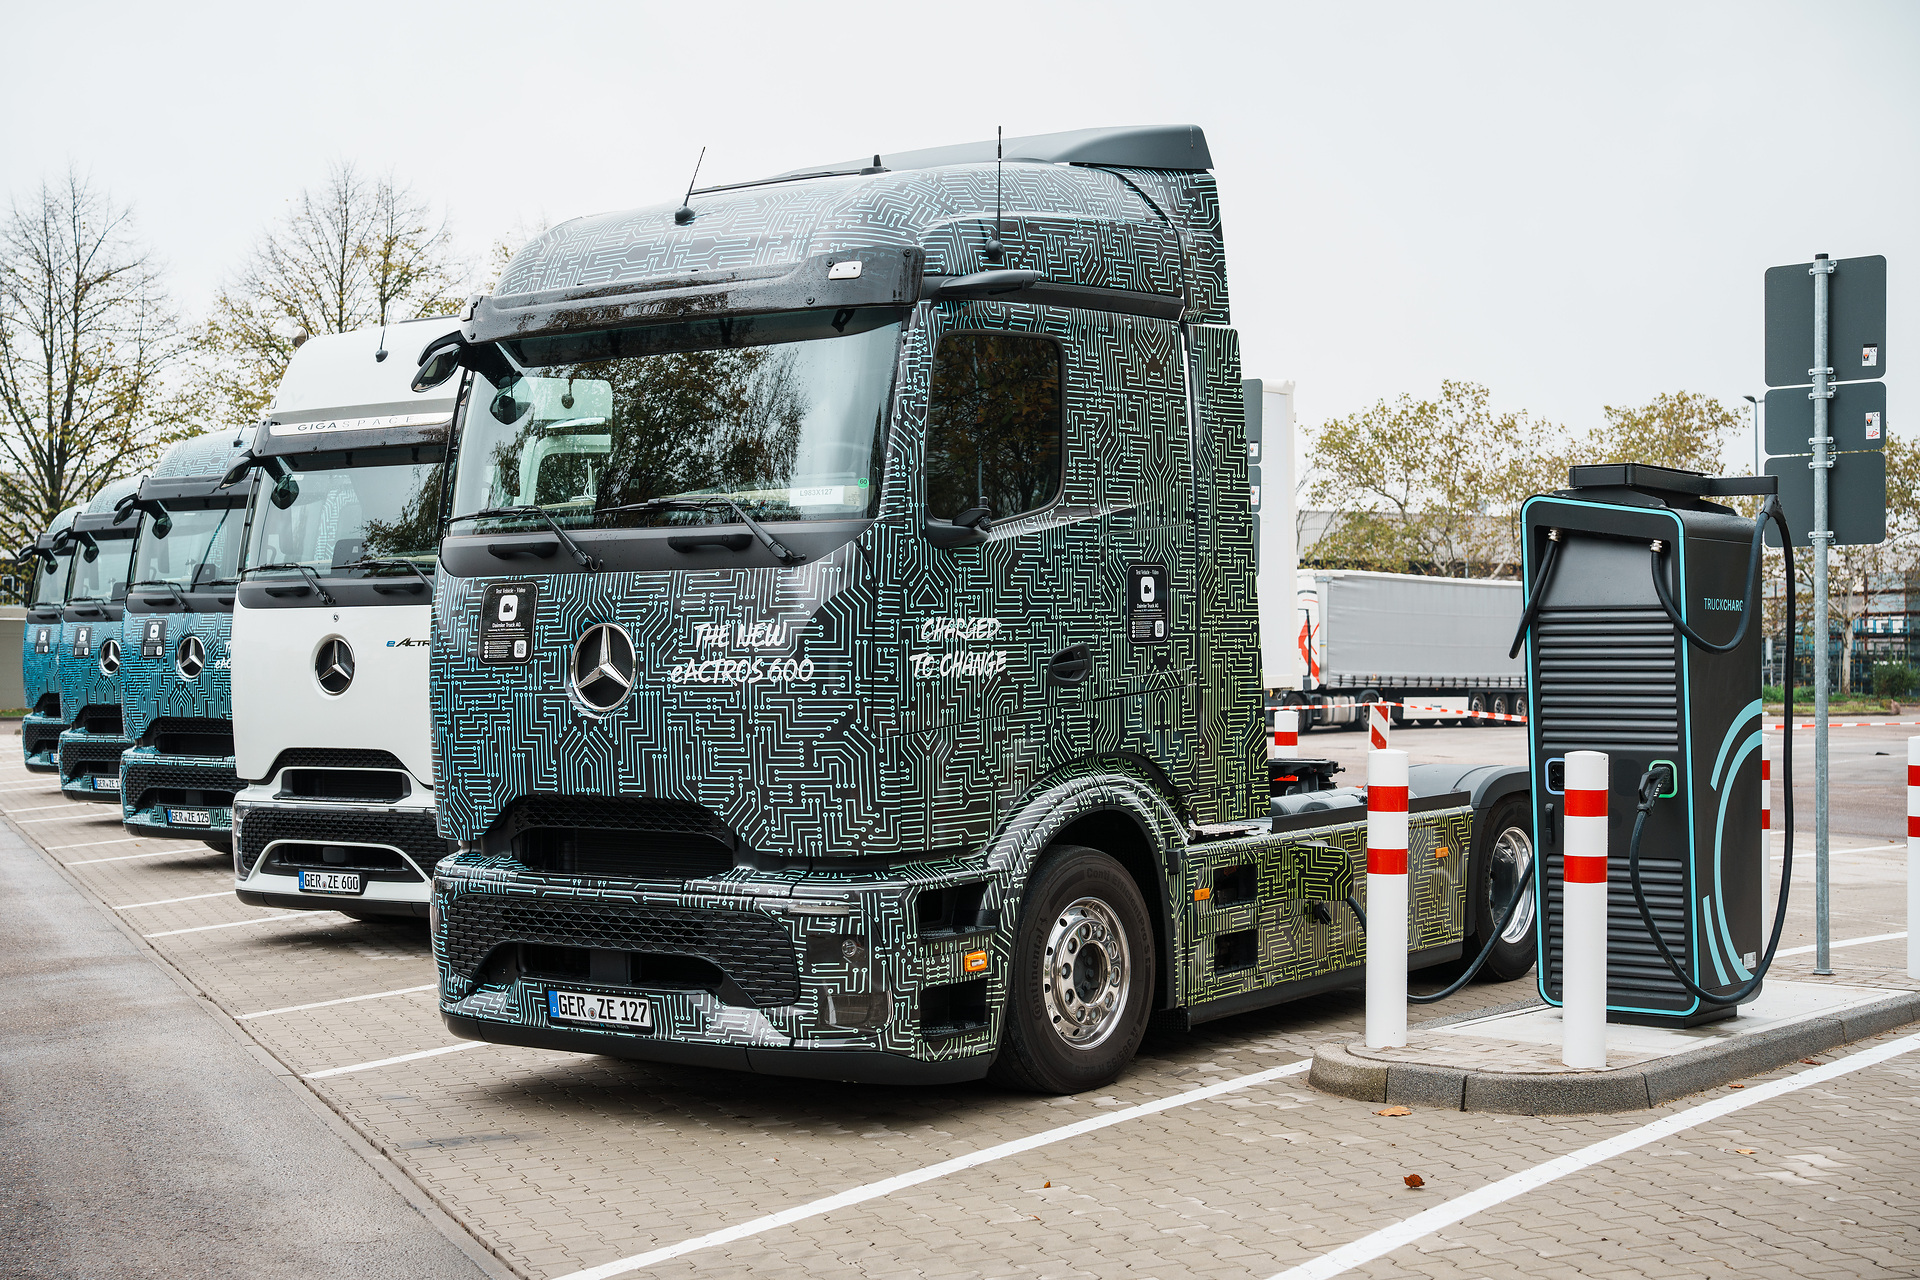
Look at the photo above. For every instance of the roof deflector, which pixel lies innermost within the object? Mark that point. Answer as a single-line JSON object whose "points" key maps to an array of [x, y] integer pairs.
{"points": [[1161, 146]]}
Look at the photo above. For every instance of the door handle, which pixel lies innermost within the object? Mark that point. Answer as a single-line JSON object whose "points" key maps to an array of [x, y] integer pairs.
{"points": [[1071, 665]]}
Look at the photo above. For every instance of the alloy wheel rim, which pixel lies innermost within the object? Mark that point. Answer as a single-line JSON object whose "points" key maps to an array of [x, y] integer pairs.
{"points": [[1085, 984], [1511, 865]]}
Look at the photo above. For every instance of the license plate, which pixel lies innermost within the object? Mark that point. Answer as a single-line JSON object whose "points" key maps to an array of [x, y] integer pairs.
{"points": [[106, 782], [607, 1011], [190, 817], [330, 882]]}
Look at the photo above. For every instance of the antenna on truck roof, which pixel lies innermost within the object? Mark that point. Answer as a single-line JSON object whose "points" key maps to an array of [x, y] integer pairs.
{"points": [[684, 214], [996, 251]]}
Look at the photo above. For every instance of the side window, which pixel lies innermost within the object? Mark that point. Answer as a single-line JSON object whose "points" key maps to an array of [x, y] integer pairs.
{"points": [[993, 424]]}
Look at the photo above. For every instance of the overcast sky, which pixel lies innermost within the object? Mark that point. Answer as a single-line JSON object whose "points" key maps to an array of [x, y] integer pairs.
{"points": [[1573, 205]]}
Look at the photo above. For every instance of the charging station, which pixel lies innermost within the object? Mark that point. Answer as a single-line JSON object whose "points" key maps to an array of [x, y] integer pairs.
{"points": [[1620, 566]]}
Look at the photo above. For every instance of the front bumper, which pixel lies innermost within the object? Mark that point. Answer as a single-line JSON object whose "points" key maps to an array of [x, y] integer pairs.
{"points": [[155, 790], [394, 848], [827, 977], [40, 742], [85, 759]]}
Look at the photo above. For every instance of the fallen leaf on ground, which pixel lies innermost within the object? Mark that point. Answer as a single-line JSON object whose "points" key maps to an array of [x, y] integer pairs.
{"points": [[1414, 1180], [1736, 1086], [1395, 1111], [1810, 1062], [1046, 1184], [1743, 1151]]}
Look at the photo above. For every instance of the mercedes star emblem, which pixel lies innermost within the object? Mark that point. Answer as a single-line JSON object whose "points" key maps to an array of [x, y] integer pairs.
{"points": [[603, 667], [109, 657], [190, 657], [333, 664]]}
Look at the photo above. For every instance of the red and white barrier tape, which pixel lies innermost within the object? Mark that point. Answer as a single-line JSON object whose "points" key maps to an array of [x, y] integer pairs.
{"points": [[1849, 724]]}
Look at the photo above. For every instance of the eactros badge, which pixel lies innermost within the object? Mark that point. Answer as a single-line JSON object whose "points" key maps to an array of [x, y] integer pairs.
{"points": [[603, 667], [333, 665]]}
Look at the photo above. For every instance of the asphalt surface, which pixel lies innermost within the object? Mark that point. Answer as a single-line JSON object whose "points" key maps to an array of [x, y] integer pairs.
{"points": [[139, 1136]]}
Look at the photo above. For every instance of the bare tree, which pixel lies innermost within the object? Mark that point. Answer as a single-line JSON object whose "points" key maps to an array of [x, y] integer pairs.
{"points": [[354, 253], [85, 335]]}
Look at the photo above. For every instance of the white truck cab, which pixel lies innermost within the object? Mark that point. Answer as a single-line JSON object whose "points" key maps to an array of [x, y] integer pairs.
{"points": [[332, 736]]}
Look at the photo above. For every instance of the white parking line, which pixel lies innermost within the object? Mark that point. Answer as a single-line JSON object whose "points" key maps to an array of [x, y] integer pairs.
{"points": [[161, 902], [387, 1062], [887, 1186], [1844, 942], [122, 857], [91, 844], [322, 1004], [231, 924], [1385, 1241], [34, 822], [39, 808]]}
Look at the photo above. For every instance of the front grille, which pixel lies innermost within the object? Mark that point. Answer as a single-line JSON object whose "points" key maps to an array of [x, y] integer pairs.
{"points": [[87, 754], [413, 833], [1609, 680], [752, 949], [334, 758], [375, 864], [48, 706], [619, 838], [360, 786], [103, 722], [149, 782], [35, 738], [190, 736]]}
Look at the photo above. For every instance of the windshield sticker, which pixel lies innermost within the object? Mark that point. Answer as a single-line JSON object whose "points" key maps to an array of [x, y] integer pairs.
{"points": [[153, 638], [506, 624], [386, 422]]}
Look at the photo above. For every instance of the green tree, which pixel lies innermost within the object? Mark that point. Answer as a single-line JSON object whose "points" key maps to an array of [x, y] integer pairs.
{"points": [[352, 254], [1680, 429], [86, 335]]}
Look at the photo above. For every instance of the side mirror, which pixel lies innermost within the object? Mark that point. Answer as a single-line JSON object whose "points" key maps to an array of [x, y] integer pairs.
{"points": [[966, 529], [440, 361], [285, 490]]}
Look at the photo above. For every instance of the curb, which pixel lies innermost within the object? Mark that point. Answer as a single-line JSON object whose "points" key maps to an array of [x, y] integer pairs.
{"points": [[1336, 1070]]}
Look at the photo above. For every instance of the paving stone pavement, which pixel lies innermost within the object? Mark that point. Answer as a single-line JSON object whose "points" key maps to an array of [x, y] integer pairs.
{"points": [[558, 1162]]}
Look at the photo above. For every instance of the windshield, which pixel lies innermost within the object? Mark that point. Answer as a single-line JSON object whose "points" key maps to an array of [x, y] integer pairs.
{"points": [[343, 515], [783, 415], [50, 580], [202, 547], [105, 577]]}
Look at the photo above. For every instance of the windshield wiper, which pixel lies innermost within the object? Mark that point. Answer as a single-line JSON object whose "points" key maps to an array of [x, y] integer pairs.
{"points": [[178, 595], [312, 575], [376, 562], [587, 562], [781, 551]]}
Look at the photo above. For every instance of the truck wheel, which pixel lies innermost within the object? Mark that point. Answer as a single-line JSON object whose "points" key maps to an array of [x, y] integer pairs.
{"points": [[1476, 703], [1081, 986], [1503, 857]]}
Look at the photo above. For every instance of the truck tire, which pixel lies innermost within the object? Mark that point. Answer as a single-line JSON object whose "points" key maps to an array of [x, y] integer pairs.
{"points": [[1503, 852], [1478, 702], [1080, 988]]}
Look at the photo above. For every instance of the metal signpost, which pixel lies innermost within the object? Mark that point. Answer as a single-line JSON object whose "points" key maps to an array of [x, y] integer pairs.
{"points": [[1835, 311]]}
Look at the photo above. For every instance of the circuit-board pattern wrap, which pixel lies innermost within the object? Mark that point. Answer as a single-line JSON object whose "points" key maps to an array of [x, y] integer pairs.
{"points": [[40, 670], [955, 777], [87, 689]]}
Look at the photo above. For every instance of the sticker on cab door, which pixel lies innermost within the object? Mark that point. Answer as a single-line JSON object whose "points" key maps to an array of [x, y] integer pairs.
{"points": [[82, 642], [506, 624], [153, 638], [1149, 616]]}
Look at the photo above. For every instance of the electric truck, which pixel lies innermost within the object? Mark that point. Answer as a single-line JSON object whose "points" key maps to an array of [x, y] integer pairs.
{"points": [[90, 655], [845, 648], [177, 778], [40, 731], [330, 631]]}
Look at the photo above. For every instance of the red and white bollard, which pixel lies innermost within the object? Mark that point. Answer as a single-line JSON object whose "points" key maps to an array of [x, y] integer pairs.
{"points": [[1913, 857], [1379, 721], [1583, 957], [1766, 835], [1386, 899], [1286, 735]]}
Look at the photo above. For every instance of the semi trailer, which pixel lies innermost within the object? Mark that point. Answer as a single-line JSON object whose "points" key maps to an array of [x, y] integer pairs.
{"points": [[40, 730], [330, 631], [177, 778], [1436, 647], [845, 653], [90, 653]]}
